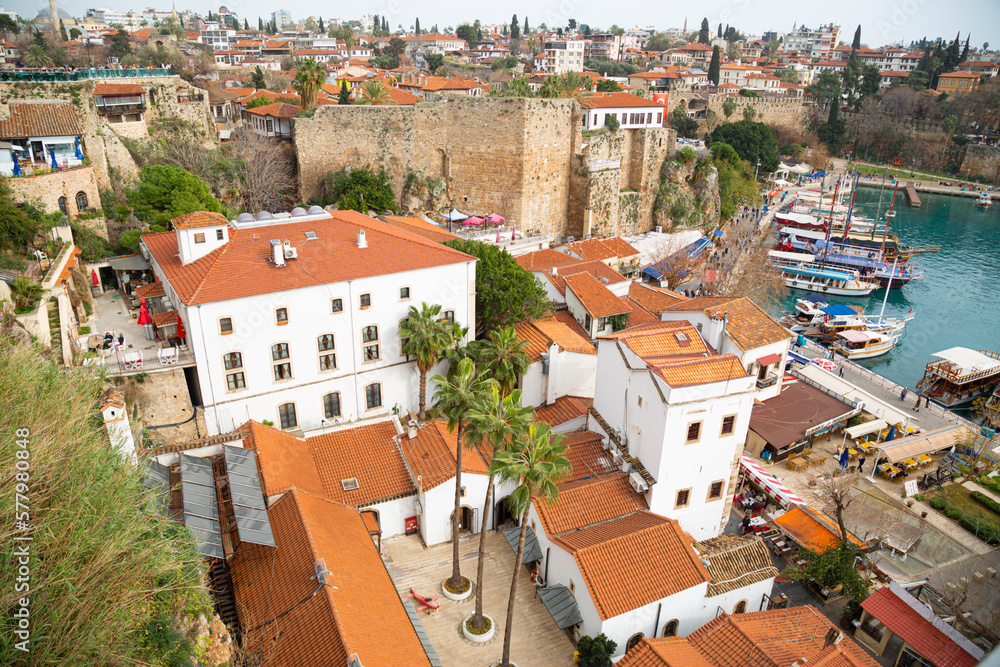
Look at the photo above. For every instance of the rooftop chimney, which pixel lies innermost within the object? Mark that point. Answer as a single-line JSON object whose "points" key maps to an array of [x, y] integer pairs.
{"points": [[411, 429], [555, 270], [362, 242], [277, 252]]}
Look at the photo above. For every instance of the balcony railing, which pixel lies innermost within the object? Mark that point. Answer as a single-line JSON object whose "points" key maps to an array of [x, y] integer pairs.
{"points": [[769, 381], [121, 108], [45, 75], [190, 98]]}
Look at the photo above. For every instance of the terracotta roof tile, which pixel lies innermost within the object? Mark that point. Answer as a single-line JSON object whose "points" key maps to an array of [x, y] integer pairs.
{"points": [[599, 270], [284, 460], [543, 260], [664, 652], [541, 334], [643, 547], [336, 621], [637, 314], [277, 110], [164, 318], [564, 409], [616, 101], [431, 455], [749, 326], [653, 299], [152, 289], [40, 119], [595, 297], [602, 249], [112, 89], [421, 227], [199, 219], [221, 275], [587, 502], [702, 371], [735, 561]]}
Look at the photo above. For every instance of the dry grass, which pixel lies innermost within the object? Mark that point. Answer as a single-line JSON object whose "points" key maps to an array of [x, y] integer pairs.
{"points": [[101, 565]]}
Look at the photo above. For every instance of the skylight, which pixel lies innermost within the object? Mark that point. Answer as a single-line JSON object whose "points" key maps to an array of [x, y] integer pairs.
{"points": [[350, 484]]}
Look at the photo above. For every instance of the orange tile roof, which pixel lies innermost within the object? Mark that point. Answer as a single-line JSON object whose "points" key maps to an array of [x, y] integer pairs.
{"points": [[960, 74], [664, 652], [604, 273], [564, 409], [702, 371], [749, 325], [616, 101], [586, 502], [152, 289], [541, 334], [637, 314], [277, 110], [402, 97], [595, 297], [165, 318], [421, 227], [293, 621], [41, 119], [584, 451], [199, 219], [643, 547], [432, 455], [221, 275], [654, 300], [543, 260], [284, 460], [112, 89]]}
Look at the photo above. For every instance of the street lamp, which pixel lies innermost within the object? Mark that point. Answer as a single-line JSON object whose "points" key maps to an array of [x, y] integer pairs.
{"points": [[756, 169]]}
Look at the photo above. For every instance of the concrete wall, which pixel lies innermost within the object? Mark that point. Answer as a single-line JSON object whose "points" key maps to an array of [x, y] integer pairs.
{"points": [[982, 161]]}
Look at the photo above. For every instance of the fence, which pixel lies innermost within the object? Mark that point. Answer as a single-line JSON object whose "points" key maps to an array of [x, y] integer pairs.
{"points": [[84, 74]]}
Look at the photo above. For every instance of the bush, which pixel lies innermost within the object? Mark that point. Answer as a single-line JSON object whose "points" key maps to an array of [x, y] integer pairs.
{"points": [[991, 483], [919, 497], [360, 190], [952, 512], [938, 503], [12, 262], [983, 531], [596, 651], [612, 123], [986, 501], [94, 247], [688, 155]]}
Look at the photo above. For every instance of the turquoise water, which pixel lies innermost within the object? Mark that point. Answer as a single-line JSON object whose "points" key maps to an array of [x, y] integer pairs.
{"points": [[956, 303]]}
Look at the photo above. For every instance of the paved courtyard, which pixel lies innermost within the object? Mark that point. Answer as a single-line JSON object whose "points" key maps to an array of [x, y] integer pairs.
{"points": [[112, 314], [537, 642]]}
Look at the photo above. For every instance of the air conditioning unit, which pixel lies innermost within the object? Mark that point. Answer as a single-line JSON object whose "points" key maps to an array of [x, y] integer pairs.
{"points": [[290, 252], [638, 483], [606, 444], [617, 457]]}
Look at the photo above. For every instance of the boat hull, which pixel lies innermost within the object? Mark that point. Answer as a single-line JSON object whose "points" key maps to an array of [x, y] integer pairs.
{"points": [[868, 353], [807, 286]]}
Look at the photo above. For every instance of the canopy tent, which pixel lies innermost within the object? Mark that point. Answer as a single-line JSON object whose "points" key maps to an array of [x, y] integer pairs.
{"points": [[455, 215], [925, 443], [475, 221], [816, 298], [867, 428], [781, 182], [771, 484], [838, 309], [966, 361], [852, 336], [718, 232], [426, 219], [802, 168]]}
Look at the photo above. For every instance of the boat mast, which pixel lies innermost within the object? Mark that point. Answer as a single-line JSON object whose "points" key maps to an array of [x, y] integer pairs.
{"points": [[850, 209], [888, 216], [878, 211], [888, 286], [829, 226]]}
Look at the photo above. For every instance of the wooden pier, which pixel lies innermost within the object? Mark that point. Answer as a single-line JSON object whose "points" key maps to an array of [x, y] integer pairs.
{"points": [[912, 196]]}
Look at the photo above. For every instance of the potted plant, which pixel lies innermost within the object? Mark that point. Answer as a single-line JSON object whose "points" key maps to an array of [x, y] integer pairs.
{"points": [[478, 635]]}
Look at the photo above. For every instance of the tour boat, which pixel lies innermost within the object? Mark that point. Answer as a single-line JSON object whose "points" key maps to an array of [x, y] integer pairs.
{"points": [[863, 344], [871, 263], [958, 375], [799, 272], [984, 200]]}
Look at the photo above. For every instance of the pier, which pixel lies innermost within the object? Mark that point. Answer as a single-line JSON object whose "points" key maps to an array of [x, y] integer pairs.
{"points": [[912, 196]]}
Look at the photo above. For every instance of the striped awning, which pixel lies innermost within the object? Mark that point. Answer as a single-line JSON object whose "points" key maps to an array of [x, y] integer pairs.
{"points": [[774, 486]]}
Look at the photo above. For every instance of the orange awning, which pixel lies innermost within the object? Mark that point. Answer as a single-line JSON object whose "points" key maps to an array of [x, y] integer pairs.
{"points": [[810, 529]]}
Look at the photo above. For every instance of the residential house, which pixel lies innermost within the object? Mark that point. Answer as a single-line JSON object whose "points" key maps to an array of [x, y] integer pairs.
{"points": [[602, 45], [737, 74], [228, 57], [819, 43], [276, 48], [957, 83], [615, 251], [421, 46], [238, 285], [273, 120], [249, 47], [319, 55], [551, 267], [631, 111], [893, 78], [767, 638], [689, 53], [120, 102], [218, 37], [595, 307], [563, 56], [563, 363], [40, 131], [10, 55], [982, 68], [677, 411], [429, 87], [253, 62]]}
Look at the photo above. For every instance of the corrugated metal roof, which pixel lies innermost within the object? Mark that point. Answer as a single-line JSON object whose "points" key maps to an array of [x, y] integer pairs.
{"points": [[201, 510], [40, 119], [532, 552], [252, 524], [562, 605]]}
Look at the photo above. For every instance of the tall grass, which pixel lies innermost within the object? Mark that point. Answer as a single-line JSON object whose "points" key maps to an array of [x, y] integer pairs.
{"points": [[103, 568]]}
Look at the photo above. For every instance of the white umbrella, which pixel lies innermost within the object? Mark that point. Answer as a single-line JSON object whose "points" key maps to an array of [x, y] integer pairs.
{"points": [[455, 215]]}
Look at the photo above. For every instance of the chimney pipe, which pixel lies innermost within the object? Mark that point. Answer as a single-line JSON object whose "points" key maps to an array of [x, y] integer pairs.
{"points": [[362, 242], [277, 252], [411, 429]]}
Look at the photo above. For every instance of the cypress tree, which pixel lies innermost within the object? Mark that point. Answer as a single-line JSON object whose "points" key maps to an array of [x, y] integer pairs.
{"points": [[713, 68], [703, 33], [377, 24], [965, 51], [385, 25], [322, 28], [856, 44], [720, 31], [515, 28], [525, 31], [246, 24], [260, 24], [416, 27], [345, 95]]}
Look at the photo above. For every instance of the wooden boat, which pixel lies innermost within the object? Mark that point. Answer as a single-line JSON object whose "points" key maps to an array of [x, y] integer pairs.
{"points": [[984, 200], [799, 272], [958, 375], [863, 344], [871, 263]]}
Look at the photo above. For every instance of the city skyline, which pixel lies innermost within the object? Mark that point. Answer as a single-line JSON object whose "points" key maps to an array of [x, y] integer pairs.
{"points": [[902, 21]]}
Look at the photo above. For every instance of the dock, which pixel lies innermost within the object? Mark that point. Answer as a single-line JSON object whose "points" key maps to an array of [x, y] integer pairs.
{"points": [[912, 196]]}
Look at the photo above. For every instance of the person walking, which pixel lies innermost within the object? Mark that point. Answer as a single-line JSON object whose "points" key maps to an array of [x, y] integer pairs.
{"points": [[841, 370], [861, 463], [902, 394]]}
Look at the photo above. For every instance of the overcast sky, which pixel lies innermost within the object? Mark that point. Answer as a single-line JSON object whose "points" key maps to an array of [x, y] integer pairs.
{"points": [[882, 21]]}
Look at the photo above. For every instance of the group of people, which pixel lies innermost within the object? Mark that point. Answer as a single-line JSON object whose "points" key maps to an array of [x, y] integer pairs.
{"points": [[109, 340]]}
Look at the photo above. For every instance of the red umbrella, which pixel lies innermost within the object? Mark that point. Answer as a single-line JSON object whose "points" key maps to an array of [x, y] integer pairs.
{"points": [[494, 219], [93, 277], [144, 317], [825, 364], [180, 328], [474, 220]]}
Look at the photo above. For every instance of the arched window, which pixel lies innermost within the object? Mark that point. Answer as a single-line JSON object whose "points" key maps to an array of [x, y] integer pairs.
{"points": [[62, 206], [741, 607], [633, 640], [670, 629], [81, 201]]}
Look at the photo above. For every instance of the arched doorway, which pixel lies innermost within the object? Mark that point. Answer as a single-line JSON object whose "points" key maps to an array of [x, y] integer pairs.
{"points": [[670, 629], [504, 517], [465, 519]]}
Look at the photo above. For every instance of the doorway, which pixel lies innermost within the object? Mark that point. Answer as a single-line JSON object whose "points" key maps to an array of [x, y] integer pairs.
{"points": [[464, 519], [503, 514]]}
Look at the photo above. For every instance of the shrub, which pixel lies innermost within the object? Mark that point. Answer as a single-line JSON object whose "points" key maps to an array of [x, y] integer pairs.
{"points": [[991, 483], [596, 651], [983, 531], [952, 512], [83, 331], [12, 262], [938, 503], [986, 501], [919, 497], [612, 123], [361, 189], [688, 155]]}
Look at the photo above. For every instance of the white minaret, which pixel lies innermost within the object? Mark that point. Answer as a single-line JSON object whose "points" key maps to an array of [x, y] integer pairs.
{"points": [[116, 421]]}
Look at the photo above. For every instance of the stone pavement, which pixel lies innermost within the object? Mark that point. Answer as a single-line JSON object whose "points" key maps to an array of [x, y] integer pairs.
{"points": [[537, 641]]}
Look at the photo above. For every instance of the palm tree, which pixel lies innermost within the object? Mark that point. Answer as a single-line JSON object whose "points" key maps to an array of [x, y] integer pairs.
{"points": [[535, 461], [502, 358], [426, 336], [37, 55], [375, 92], [574, 84], [307, 82], [458, 350], [456, 395], [497, 418]]}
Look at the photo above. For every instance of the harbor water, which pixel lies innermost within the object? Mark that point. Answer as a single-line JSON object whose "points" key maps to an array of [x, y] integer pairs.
{"points": [[957, 302]]}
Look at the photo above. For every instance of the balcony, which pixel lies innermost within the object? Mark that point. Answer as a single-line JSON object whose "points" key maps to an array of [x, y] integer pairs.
{"points": [[769, 381], [119, 109]]}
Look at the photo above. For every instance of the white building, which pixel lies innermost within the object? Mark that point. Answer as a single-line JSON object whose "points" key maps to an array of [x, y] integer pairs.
{"points": [[293, 319], [564, 56], [631, 111], [281, 18], [820, 43], [563, 362], [678, 412], [218, 36]]}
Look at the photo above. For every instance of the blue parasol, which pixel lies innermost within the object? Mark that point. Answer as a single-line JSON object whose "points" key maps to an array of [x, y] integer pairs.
{"points": [[844, 457], [892, 434], [17, 167], [79, 151], [55, 165]]}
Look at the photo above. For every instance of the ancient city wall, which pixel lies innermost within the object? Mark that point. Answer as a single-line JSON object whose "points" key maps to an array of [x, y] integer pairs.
{"points": [[982, 162], [46, 189]]}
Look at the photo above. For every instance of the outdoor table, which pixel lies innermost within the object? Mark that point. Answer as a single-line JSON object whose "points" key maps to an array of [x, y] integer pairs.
{"points": [[132, 361], [794, 462], [887, 470], [910, 464], [925, 460]]}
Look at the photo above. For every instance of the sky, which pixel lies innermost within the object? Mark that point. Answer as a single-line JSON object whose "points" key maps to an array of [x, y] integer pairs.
{"points": [[882, 21]]}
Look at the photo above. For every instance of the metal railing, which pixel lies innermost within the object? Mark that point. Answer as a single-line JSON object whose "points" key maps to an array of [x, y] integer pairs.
{"points": [[767, 382], [43, 75], [120, 108], [190, 98]]}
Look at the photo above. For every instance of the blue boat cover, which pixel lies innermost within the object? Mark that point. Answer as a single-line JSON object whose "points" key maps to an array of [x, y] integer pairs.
{"points": [[717, 232], [839, 309]]}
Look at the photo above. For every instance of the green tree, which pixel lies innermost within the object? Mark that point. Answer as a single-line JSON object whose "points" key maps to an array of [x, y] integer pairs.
{"points": [[375, 92], [260, 24], [527, 31], [515, 88], [871, 82], [37, 56], [8, 25], [749, 111], [824, 88], [345, 95], [260, 101], [495, 419], [360, 190], [467, 33], [535, 462], [751, 141], [502, 358], [686, 126], [729, 107], [425, 337], [416, 28], [257, 79], [505, 292], [856, 44], [119, 45], [166, 192], [434, 61], [608, 86], [789, 75], [308, 80], [658, 42], [515, 28], [833, 132], [612, 123], [737, 186], [965, 51], [830, 568], [953, 54], [322, 28], [703, 34], [456, 395], [18, 227], [713, 67], [596, 651], [63, 35]]}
